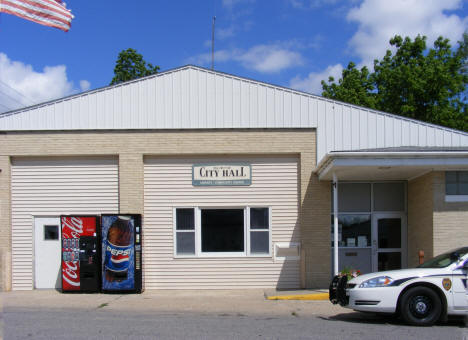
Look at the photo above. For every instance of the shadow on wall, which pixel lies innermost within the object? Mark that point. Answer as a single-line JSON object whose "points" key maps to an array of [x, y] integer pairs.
{"points": [[58, 282], [288, 253], [314, 239], [315, 233]]}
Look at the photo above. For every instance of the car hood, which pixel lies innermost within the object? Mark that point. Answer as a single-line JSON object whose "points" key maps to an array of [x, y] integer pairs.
{"points": [[403, 273]]}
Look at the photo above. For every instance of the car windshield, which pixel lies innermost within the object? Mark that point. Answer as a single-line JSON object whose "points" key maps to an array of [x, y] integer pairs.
{"points": [[446, 259]]}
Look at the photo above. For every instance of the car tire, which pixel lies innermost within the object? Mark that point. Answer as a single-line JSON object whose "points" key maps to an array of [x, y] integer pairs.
{"points": [[420, 306]]}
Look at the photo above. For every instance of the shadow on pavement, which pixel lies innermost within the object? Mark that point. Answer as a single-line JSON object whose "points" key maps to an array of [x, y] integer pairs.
{"points": [[390, 319]]}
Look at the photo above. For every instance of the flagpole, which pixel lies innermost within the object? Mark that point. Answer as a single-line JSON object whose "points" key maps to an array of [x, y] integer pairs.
{"points": [[212, 42]]}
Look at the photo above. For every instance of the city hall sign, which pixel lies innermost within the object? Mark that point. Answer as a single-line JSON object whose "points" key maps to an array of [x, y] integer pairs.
{"points": [[221, 175]]}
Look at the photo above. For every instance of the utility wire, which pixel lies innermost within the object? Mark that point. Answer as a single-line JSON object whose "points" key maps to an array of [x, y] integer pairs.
{"points": [[12, 98], [6, 107], [21, 94]]}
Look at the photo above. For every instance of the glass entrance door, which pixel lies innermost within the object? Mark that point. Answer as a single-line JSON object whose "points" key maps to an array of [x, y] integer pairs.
{"points": [[389, 241]]}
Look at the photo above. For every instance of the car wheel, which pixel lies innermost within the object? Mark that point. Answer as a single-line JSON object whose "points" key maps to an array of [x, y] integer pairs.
{"points": [[420, 306]]}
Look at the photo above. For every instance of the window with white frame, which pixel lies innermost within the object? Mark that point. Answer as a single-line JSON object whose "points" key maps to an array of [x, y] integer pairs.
{"points": [[259, 230], [185, 231], [456, 183], [222, 231]]}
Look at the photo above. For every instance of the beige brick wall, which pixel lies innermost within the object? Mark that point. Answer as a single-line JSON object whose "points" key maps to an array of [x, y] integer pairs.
{"points": [[420, 227], [316, 238], [450, 219], [5, 230], [131, 146], [131, 183], [434, 225]]}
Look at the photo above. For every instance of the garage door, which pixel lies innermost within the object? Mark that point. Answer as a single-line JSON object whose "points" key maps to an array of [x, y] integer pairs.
{"points": [[168, 187], [50, 187]]}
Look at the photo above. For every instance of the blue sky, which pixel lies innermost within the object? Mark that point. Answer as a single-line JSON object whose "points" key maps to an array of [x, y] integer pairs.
{"points": [[292, 43]]}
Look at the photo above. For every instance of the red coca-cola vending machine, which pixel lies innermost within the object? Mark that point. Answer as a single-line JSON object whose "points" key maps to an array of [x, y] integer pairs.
{"points": [[81, 260]]}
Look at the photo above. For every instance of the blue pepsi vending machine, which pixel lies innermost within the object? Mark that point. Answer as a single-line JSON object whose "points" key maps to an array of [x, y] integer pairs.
{"points": [[121, 253]]}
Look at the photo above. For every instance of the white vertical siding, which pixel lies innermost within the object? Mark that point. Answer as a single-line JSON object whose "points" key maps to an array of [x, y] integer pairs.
{"points": [[168, 184], [51, 187], [195, 98]]}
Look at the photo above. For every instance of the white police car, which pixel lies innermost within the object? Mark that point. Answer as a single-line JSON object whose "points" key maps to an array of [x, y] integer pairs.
{"points": [[421, 296]]}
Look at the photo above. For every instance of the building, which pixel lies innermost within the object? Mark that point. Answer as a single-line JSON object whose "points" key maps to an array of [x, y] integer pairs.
{"points": [[233, 178]]}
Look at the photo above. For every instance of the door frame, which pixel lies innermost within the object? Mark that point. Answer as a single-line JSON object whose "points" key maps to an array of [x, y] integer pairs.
{"points": [[35, 220], [404, 238]]}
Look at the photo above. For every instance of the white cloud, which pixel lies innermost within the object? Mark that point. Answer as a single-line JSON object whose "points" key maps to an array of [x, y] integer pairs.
{"points": [[21, 85], [271, 58], [204, 59], [379, 20], [233, 29], [231, 3], [312, 83], [224, 33], [84, 85], [310, 4]]}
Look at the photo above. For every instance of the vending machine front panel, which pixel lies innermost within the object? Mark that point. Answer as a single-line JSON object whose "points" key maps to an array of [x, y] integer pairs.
{"points": [[121, 253], [77, 275]]}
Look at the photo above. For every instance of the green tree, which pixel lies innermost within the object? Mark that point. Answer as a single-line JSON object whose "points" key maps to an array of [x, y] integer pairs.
{"points": [[416, 82], [355, 87], [131, 65]]}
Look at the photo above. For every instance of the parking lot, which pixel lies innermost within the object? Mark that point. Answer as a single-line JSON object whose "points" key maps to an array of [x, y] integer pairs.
{"points": [[233, 314]]}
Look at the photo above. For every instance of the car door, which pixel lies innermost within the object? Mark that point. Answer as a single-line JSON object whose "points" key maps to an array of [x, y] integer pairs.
{"points": [[460, 289]]}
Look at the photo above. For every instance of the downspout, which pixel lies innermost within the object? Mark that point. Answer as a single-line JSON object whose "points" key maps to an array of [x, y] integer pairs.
{"points": [[335, 224]]}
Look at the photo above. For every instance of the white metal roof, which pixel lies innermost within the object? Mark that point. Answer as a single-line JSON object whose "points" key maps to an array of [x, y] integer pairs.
{"points": [[191, 97], [389, 165]]}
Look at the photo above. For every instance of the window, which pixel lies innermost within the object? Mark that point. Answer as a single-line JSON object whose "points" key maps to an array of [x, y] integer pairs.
{"points": [[353, 197], [259, 230], [389, 196], [456, 183], [222, 231], [353, 231], [51, 232], [185, 231], [370, 197]]}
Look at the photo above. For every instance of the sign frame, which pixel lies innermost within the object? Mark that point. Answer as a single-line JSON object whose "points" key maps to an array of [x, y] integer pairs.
{"points": [[222, 182]]}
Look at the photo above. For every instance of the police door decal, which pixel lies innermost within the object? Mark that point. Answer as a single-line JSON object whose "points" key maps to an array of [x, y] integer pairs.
{"points": [[118, 232]]}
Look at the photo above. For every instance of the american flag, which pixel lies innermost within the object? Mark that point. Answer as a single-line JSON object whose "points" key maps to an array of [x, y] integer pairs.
{"points": [[51, 13]]}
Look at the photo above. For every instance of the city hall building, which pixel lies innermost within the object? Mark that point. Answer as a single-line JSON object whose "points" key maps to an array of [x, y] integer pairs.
{"points": [[237, 181]]}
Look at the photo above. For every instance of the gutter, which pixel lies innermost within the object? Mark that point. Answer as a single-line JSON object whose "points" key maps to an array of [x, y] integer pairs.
{"points": [[382, 154]]}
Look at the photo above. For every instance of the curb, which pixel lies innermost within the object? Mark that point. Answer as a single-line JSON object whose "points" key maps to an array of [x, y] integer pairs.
{"points": [[316, 296]]}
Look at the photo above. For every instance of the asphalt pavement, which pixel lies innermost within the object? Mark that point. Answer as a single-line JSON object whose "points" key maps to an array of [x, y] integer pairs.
{"points": [[233, 314]]}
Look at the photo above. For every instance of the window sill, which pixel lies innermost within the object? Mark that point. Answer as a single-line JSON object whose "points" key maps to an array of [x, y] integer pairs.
{"points": [[456, 198], [214, 256], [352, 247]]}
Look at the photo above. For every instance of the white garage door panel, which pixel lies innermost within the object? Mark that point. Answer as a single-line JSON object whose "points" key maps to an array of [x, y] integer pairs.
{"points": [[168, 184], [52, 187]]}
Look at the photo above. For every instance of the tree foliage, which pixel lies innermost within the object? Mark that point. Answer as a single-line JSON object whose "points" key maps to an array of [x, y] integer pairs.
{"points": [[416, 82], [131, 65]]}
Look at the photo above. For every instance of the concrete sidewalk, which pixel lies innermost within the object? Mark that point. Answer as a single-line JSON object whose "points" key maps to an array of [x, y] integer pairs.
{"points": [[220, 302]]}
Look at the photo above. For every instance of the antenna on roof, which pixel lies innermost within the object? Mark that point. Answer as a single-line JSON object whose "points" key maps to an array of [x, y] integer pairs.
{"points": [[212, 42]]}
